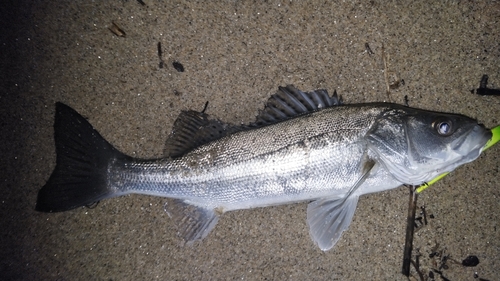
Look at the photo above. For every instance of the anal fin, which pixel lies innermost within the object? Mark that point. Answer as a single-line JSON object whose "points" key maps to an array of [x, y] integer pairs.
{"points": [[193, 222]]}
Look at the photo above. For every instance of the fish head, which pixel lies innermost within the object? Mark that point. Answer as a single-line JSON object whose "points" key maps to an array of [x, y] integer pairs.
{"points": [[417, 145]]}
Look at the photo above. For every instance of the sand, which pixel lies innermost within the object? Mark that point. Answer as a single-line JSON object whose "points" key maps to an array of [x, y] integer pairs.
{"points": [[235, 54]]}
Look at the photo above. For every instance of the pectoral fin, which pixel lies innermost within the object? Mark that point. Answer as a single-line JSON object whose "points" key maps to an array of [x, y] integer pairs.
{"points": [[328, 218], [193, 222]]}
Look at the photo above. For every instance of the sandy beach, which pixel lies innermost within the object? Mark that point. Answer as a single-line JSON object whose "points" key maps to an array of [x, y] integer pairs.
{"points": [[235, 54]]}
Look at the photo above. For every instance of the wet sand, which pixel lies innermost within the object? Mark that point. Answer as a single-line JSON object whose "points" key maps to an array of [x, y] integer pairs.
{"points": [[235, 54]]}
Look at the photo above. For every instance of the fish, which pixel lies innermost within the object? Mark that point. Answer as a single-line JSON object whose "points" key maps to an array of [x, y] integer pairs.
{"points": [[303, 146]]}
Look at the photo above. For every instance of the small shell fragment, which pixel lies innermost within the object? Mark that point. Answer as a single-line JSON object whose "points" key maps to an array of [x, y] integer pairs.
{"points": [[117, 30]]}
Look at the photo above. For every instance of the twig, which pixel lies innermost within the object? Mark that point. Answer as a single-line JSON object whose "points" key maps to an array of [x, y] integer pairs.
{"points": [[386, 74], [160, 52], [410, 227], [484, 90]]}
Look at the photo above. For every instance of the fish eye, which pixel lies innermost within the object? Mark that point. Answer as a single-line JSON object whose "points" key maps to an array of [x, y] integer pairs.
{"points": [[443, 127]]}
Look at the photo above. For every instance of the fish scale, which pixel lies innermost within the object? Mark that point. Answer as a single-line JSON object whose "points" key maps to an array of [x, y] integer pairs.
{"points": [[251, 170]]}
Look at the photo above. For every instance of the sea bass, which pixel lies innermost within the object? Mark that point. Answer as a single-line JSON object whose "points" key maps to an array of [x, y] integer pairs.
{"points": [[304, 146]]}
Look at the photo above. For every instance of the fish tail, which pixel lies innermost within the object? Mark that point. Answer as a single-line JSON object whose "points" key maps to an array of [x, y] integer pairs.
{"points": [[80, 176]]}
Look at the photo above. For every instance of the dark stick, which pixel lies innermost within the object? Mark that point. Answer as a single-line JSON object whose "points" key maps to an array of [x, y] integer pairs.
{"points": [[417, 267], [159, 50], [205, 107], [488, 92], [410, 227], [484, 90], [160, 55]]}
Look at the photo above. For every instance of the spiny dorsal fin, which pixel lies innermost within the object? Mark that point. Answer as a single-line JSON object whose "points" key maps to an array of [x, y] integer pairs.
{"points": [[290, 102], [192, 129]]}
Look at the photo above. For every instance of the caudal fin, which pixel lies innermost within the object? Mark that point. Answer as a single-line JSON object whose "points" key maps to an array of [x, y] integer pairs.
{"points": [[80, 175]]}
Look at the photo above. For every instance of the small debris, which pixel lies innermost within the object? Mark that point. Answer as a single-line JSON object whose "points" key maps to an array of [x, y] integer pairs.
{"points": [[386, 70], [484, 90], [407, 104], [178, 66], [484, 82], [392, 80], [117, 30], [444, 259], [470, 261], [418, 219], [141, 2], [205, 107], [368, 49], [92, 205], [416, 264], [424, 214], [394, 85], [160, 55], [441, 275]]}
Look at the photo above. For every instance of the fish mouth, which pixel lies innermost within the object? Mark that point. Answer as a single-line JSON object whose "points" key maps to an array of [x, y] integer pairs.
{"points": [[473, 143]]}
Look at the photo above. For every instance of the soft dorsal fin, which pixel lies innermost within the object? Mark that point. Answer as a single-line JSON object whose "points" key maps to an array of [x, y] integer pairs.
{"points": [[192, 129], [290, 102]]}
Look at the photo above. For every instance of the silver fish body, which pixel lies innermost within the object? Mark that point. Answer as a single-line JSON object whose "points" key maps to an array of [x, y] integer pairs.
{"points": [[308, 149], [304, 158]]}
